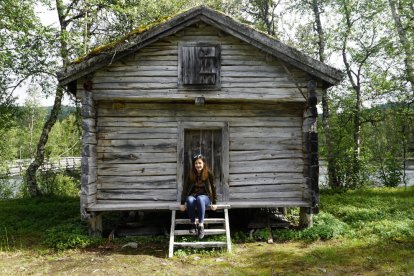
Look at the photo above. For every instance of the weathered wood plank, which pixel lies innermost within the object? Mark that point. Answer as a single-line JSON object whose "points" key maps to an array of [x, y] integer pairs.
{"points": [[238, 146], [265, 141], [131, 143], [167, 122], [149, 185], [257, 94], [89, 189], [267, 166], [140, 136], [270, 176], [264, 189], [189, 110], [267, 181], [259, 195], [200, 244], [270, 132], [141, 148], [207, 232], [135, 179], [117, 205], [158, 195], [265, 154], [137, 169], [136, 157], [269, 203]]}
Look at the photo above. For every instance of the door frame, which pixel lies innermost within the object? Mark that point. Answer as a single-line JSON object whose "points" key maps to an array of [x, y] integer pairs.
{"points": [[225, 142]]}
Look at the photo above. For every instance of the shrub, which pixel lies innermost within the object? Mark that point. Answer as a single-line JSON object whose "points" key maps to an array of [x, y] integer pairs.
{"points": [[69, 235], [58, 184], [325, 227]]}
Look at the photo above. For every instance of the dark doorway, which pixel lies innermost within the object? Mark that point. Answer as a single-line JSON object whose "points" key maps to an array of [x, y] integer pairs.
{"points": [[208, 143]]}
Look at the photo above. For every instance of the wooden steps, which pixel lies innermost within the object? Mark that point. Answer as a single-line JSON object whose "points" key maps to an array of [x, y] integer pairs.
{"points": [[214, 226], [199, 244]]}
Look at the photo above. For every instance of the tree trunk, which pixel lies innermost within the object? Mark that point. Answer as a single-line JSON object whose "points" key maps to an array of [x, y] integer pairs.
{"points": [[357, 138], [407, 48], [40, 151]]}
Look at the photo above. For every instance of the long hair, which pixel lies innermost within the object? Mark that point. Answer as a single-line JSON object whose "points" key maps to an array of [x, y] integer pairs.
{"points": [[204, 172]]}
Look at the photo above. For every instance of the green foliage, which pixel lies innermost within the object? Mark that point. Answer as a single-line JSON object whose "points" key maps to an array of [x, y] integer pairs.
{"points": [[24, 221], [22, 136], [325, 227], [59, 184], [72, 234], [377, 214], [372, 214], [8, 187], [65, 138]]}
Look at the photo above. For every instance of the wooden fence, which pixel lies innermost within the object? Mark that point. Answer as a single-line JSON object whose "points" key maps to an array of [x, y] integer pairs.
{"points": [[19, 166]]}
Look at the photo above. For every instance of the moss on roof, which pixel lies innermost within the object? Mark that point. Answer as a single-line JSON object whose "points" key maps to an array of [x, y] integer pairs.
{"points": [[112, 44], [142, 29]]}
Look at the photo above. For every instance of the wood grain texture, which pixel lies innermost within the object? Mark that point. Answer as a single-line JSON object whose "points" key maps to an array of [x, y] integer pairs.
{"points": [[153, 72], [137, 148]]}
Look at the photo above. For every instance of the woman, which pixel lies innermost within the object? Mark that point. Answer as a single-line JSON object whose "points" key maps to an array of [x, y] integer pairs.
{"points": [[199, 192]]}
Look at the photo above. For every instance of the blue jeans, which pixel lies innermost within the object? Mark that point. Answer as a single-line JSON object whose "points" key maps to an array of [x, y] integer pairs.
{"points": [[199, 201]]}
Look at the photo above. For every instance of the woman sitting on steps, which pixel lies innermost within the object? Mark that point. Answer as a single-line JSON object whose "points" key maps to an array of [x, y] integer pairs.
{"points": [[198, 192]]}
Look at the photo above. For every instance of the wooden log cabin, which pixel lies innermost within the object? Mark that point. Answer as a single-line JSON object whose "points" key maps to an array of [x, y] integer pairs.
{"points": [[199, 82]]}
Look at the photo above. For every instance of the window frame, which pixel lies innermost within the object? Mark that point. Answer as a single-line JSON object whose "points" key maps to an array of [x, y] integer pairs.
{"points": [[180, 82]]}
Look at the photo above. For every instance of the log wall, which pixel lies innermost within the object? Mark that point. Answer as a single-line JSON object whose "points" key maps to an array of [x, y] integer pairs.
{"points": [[246, 72], [137, 150], [140, 107]]}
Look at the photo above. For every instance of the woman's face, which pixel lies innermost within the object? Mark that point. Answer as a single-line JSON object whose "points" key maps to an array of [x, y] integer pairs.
{"points": [[199, 165]]}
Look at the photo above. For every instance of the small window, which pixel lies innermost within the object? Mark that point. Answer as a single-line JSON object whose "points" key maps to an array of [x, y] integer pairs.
{"points": [[199, 66]]}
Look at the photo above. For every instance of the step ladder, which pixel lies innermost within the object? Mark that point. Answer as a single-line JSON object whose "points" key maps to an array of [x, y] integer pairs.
{"points": [[221, 226]]}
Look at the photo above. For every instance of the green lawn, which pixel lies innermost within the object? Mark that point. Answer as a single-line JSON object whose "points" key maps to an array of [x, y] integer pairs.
{"points": [[361, 232]]}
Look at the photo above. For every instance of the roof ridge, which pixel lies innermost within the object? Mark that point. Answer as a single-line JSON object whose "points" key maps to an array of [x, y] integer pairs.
{"points": [[142, 36]]}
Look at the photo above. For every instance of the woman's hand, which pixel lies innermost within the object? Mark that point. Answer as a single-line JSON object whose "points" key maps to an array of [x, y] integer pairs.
{"points": [[213, 207], [183, 207]]}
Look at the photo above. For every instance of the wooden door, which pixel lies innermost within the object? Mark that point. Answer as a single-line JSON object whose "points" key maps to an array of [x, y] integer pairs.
{"points": [[208, 143]]}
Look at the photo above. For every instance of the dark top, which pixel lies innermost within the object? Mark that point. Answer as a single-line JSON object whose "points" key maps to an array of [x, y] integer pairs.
{"points": [[199, 187]]}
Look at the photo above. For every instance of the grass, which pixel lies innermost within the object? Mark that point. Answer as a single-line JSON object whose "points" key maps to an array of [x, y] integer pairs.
{"points": [[367, 232]]}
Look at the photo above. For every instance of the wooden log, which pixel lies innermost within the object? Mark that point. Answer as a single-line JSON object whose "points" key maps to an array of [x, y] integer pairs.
{"points": [[167, 122], [95, 224], [87, 179], [89, 138], [89, 125], [239, 94], [260, 195], [305, 217], [264, 178], [130, 180], [252, 155], [136, 157], [135, 142], [298, 187], [142, 148], [150, 185], [88, 165], [310, 147], [89, 189], [88, 150], [190, 110], [233, 108], [138, 169], [158, 195]]}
